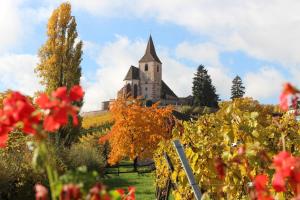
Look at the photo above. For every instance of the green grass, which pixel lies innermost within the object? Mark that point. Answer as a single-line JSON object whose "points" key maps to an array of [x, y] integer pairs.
{"points": [[144, 183]]}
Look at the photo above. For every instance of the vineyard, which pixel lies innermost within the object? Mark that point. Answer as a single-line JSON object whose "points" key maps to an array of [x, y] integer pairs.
{"points": [[147, 143]]}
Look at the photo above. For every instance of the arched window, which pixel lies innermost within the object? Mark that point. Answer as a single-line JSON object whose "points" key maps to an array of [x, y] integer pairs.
{"points": [[146, 67], [157, 68], [135, 91]]}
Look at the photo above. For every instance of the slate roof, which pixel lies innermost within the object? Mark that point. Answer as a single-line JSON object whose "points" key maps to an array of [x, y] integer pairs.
{"points": [[150, 54], [165, 90], [133, 74]]}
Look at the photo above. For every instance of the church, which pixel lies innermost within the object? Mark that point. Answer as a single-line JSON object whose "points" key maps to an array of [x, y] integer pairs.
{"points": [[145, 81]]}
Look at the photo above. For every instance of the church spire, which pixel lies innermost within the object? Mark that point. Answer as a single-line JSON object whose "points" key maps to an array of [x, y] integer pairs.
{"points": [[150, 54]]}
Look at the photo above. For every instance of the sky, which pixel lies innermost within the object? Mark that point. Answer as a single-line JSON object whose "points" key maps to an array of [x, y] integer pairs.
{"points": [[259, 40]]}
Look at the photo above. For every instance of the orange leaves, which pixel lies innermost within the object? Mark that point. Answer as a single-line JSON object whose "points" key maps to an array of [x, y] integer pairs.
{"points": [[137, 129]]}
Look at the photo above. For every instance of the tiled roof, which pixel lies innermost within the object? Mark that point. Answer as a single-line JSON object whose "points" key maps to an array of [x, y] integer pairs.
{"points": [[132, 74], [150, 54], [165, 90]]}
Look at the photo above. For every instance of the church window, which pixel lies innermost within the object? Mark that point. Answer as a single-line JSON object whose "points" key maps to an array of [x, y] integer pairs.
{"points": [[146, 88], [146, 67], [157, 68]]}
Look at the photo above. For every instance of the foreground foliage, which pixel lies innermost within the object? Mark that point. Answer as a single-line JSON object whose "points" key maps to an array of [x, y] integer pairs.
{"points": [[227, 149], [49, 114]]}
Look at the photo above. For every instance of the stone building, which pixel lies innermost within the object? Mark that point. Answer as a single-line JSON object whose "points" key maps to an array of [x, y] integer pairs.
{"points": [[145, 81]]}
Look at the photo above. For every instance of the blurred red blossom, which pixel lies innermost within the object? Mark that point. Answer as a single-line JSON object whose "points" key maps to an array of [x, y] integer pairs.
{"points": [[220, 167], [288, 90], [59, 106], [18, 111], [70, 192]]}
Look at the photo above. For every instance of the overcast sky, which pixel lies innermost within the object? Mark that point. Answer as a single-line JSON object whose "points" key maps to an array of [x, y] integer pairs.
{"points": [[256, 39]]}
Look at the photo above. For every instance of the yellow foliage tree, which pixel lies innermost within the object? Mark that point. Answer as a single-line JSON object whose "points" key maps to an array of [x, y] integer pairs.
{"points": [[60, 56], [60, 59], [137, 129]]}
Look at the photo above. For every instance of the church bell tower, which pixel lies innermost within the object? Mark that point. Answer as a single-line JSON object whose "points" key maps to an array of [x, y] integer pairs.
{"points": [[150, 68]]}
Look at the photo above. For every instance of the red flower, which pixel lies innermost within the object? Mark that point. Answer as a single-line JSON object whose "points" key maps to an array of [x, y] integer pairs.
{"points": [[95, 192], [70, 192], [76, 93], [131, 193], [262, 196], [17, 110], [260, 182], [120, 191], [284, 162], [61, 93], [41, 193], [278, 183], [220, 168], [288, 90], [59, 107], [3, 138]]}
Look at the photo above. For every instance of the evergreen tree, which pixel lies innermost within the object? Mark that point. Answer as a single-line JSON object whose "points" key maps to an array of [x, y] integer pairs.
{"points": [[60, 59], [60, 56], [204, 92], [237, 89]]}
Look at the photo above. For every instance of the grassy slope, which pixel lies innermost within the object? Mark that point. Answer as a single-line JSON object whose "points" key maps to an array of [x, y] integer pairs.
{"points": [[144, 183]]}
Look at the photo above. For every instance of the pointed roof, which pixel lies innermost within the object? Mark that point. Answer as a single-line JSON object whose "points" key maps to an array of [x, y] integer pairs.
{"points": [[150, 54], [165, 90], [132, 74]]}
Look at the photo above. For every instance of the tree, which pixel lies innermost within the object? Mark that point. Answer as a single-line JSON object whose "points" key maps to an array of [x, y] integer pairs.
{"points": [[237, 89], [203, 91], [60, 59], [137, 129], [60, 56]]}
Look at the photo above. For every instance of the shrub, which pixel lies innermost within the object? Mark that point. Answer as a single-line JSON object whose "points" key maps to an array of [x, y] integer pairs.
{"points": [[87, 152], [186, 109], [197, 110], [17, 176]]}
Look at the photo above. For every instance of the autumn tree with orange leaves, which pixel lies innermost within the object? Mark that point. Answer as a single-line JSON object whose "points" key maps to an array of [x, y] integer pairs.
{"points": [[137, 129]]}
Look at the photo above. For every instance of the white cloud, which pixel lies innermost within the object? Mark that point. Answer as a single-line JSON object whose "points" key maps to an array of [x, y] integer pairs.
{"points": [[263, 84], [263, 29], [17, 73], [204, 53], [10, 24], [17, 22]]}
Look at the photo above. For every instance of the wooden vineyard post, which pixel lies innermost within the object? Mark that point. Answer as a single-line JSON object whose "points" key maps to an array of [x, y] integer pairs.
{"points": [[188, 171]]}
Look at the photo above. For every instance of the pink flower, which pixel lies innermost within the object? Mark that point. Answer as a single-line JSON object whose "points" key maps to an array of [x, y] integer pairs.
{"points": [[41, 193]]}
